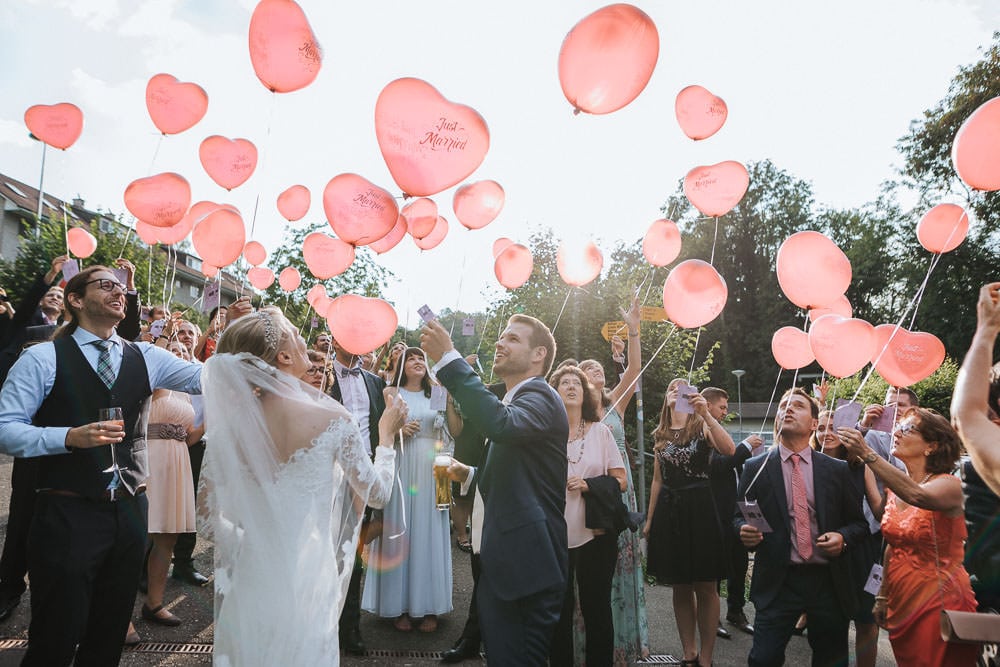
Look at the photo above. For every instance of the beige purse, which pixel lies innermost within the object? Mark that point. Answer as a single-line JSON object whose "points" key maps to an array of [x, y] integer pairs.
{"points": [[967, 627]]}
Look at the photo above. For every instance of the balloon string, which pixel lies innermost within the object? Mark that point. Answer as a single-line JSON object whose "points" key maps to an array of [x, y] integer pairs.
{"points": [[627, 394], [265, 151], [770, 401], [565, 301], [694, 354], [458, 297], [156, 152], [41, 191], [649, 277], [302, 326], [66, 230], [715, 239]]}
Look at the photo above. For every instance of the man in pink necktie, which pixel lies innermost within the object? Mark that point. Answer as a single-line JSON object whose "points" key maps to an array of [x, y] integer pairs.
{"points": [[813, 515]]}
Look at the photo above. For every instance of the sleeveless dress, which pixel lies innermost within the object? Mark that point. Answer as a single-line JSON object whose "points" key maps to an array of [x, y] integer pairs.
{"points": [[409, 566], [685, 537], [170, 487], [916, 580]]}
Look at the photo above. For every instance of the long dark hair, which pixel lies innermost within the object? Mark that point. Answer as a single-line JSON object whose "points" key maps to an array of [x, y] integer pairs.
{"points": [[76, 285], [400, 378]]}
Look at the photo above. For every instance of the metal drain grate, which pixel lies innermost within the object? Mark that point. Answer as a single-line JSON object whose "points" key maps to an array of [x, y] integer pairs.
{"points": [[384, 653], [660, 660], [13, 644], [170, 647]]}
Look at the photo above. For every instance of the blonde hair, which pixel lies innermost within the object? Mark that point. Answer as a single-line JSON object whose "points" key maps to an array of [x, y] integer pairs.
{"points": [[262, 334], [693, 427]]}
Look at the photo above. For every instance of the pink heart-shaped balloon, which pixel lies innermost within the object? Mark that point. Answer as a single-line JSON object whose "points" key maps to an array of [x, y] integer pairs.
{"points": [[358, 210], [360, 324], [174, 106], [577, 263], [392, 239], [428, 143], [790, 347], [220, 236], [260, 277], [694, 294], [209, 271], [314, 293], [58, 125], [81, 242], [662, 243], [908, 356], [421, 217], [176, 232], [293, 203], [976, 151], [283, 49], [608, 58], [700, 113], [478, 204], [715, 189], [437, 235], [289, 279], [160, 200], [842, 345], [149, 234], [812, 270], [500, 245], [229, 162], [513, 266], [255, 253], [841, 306], [943, 228], [326, 256]]}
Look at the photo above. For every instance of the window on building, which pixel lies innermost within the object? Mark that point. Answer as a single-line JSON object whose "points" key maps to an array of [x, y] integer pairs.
{"points": [[192, 262], [194, 292]]}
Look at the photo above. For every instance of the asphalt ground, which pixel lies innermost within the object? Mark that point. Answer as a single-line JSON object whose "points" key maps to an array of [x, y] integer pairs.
{"points": [[190, 643]]}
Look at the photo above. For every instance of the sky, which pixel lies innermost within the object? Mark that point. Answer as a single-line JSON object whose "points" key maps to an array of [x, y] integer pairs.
{"points": [[824, 90]]}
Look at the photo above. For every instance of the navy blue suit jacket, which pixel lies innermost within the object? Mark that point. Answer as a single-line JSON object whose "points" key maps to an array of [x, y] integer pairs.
{"points": [[522, 481], [838, 508]]}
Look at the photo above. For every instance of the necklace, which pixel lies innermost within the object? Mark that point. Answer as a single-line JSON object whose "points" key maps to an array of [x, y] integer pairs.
{"points": [[926, 477], [583, 444], [675, 434]]}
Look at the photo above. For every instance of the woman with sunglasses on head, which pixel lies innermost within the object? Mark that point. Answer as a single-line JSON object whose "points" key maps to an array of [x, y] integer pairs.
{"points": [[924, 525]]}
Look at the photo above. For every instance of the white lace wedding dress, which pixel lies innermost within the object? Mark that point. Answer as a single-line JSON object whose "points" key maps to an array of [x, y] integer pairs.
{"points": [[285, 527]]}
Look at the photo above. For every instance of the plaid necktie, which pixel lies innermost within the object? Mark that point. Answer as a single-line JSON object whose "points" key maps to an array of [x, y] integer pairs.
{"points": [[104, 370]]}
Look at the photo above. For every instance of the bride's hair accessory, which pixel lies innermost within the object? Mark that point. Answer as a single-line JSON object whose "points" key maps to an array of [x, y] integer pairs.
{"points": [[270, 332]]}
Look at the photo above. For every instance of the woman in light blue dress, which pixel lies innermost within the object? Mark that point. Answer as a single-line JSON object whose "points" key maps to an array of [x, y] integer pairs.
{"points": [[409, 565], [628, 597]]}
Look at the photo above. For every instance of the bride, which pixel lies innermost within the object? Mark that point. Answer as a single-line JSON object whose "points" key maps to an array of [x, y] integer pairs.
{"points": [[287, 479]]}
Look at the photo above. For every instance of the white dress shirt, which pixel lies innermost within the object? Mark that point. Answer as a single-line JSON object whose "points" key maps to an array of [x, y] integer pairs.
{"points": [[354, 397]]}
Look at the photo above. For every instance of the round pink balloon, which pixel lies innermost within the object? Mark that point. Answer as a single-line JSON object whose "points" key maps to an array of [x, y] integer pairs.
{"points": [[289, 279], [578, 264], [421, 217], [81, 242], [209, 271], [360, 324], [428, 143], [293, 203], [326, 256], [58, 125], [283, 49], [174, 106], [478, 204], [700, 113], [148, 233], [219, 237], [908, 356], [314, 293], [392, 239], [841, 306], [607, 59], [500, 245], [812, 270], [322, 305], [255, 253], [976, 151], [842, 346], [943, 228], [437, 235], [694, 294], [160, 200], [229, 162], [790, 347], [260, 277], [662, 243], [513, 266], [357, 210], [715, 189]]}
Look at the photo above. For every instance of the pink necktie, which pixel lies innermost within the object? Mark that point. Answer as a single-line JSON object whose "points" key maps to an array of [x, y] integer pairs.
{"points": [[801, 508]]}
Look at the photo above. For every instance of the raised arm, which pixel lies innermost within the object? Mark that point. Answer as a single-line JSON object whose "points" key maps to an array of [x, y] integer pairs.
{"points": [[626, 386]]}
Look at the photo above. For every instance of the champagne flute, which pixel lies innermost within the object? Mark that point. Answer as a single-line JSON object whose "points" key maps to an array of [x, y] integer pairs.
{"points": [[113, 415]]}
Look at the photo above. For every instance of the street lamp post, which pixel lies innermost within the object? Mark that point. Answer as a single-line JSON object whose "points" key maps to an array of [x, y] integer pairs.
{"points": [[739, 373]]}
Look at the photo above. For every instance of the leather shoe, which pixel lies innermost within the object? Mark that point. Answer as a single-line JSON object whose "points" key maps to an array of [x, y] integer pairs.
{"points": [[8, 605], [463, 649], [739, 619], [160, 616], [350, 641], [189, 575], [722, 632]]}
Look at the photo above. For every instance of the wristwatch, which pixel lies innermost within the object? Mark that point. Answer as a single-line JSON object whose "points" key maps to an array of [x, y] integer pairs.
{"points": [[870, 457]]}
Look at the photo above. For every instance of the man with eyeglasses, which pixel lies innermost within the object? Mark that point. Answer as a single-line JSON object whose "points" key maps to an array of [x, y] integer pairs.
{"points": [[88, 532]]}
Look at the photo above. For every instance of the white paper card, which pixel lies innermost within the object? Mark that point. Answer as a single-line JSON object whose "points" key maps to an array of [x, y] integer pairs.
{"points": [[887, 420], [70, 268], [425, 312], [683, 405], [212, 297], [156, 328], [314, 322], [439, 398], [753, 516], [874, 583], [121, 275], [468, 327], [846, 414]]}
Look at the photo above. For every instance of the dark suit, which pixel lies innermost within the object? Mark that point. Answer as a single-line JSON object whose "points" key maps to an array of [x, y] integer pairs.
{"points": [[524, 554], [723, 475], [781, 590]]}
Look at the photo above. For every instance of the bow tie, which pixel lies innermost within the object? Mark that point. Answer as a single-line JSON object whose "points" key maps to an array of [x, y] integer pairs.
{"points": [[356, 371]]}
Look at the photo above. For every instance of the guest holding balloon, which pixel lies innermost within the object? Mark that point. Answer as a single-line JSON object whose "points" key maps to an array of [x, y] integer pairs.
{"points": [[595, 467], [924, 525], [409, 573], [390, 371], [686, 542]]}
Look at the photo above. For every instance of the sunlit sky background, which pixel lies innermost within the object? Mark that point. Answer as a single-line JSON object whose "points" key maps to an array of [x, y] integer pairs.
{"points": [[824, 90]]}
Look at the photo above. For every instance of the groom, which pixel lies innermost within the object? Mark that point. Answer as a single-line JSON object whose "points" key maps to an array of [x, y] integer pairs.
{"points": [[524, 553]]}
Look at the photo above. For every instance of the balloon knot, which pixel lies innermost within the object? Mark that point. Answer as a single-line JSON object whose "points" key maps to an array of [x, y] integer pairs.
{"points": [[576, 111]]}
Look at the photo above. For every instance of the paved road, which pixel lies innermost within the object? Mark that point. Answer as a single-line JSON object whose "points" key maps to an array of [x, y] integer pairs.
{"points": [[386, 645]]}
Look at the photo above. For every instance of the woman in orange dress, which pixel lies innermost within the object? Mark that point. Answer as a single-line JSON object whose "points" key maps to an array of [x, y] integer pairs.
{"points": [[924, 525]]}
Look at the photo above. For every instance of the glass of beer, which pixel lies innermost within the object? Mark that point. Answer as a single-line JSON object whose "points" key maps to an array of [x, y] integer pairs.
{"points": [[442, 485]]}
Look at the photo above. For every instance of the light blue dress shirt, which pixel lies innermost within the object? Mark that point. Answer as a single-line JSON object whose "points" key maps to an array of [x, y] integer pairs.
{"points": [[31, 379]]}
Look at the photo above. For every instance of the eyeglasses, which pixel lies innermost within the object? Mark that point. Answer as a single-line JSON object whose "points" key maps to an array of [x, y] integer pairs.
{"points": [[314, 370], [106, 284], [906, 428]]}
